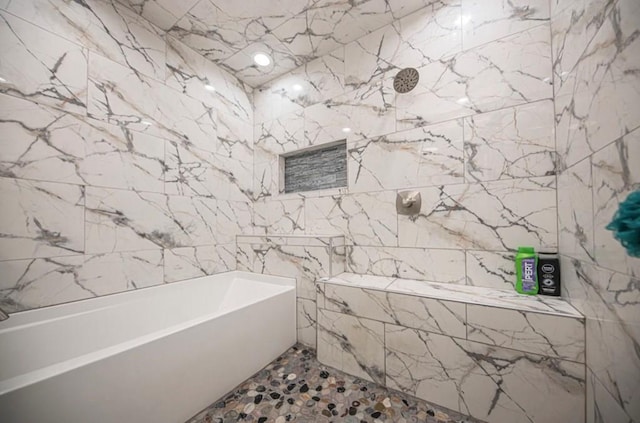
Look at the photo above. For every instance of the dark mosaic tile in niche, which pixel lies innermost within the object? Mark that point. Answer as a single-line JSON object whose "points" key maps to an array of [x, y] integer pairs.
{"points": [[323, 168]]}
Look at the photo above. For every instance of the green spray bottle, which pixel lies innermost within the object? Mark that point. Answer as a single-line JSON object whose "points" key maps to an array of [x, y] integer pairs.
{"points": [[526, 271]]}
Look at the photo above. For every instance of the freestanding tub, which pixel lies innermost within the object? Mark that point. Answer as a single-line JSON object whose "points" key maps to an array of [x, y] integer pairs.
{"points": [[157, 355]]}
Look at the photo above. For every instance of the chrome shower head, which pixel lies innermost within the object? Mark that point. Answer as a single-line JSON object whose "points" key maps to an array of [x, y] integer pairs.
{"points": [[406, 80]]}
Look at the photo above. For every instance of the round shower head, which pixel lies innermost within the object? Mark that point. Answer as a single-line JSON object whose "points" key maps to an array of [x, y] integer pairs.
{"points": [[406, 80]]}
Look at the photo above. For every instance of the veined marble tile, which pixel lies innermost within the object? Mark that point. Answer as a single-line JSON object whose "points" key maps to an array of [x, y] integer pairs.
{"points": [[233, 218], [364, 113], [190, 262], [363, 281], [42, 67], [437, 316], [491, 269], [484, 381], [575, 211], [601, 405], [485, 21], [41, 282], [615, 176], [495, 215], [517, 142], [596, 100], [4, 3], [235, 137], [302, 240], [203, 80], [351, 344], [190, 170], [410, 263], [245, 257], [104, 27], [306, 322], [119, 96], [279, 216], [233, 179], [39, 142], [537, 333], [365, 219], [419, 157], [274, 99], [278, 136], [127, 220], [41, 219], [266, 179], [319, 80], [163, 13]]}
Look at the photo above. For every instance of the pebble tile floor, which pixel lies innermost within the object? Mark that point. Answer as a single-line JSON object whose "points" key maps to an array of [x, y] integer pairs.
{"points": [[297, 388]]}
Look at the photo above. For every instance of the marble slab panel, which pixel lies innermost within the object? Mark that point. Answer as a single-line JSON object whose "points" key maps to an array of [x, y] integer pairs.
{"points": [[365, 219], [190, 170], [596, 97], [279, 216], [118, 95], [430, 155], [575, 211], [104, 27], [615, 176], [235, 137], [303, 240], [42, 219], [306, 322], [516, 142], [275, 99], [491, 269], [409, 263], [601, 405], [282, 135], [33, 283], [190, 262], [484, 381], [543, 334], [41, 66], [233, 218], [485, 21], [351, 344], [496, 215], [119, 220], [197, 77], [363, 281], [427, 314], [163, 13]]}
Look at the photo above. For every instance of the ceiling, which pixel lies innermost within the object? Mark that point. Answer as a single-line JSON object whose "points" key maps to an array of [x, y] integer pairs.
{"points": [[291, 32]]}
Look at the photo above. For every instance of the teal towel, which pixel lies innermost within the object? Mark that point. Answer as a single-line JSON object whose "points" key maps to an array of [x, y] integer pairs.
{"points": [[626, 224]]}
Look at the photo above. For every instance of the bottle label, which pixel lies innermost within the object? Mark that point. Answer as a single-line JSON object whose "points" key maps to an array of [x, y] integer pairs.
{"points": [[528, 274]]}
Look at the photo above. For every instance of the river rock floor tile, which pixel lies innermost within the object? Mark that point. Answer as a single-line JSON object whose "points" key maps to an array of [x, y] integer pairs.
{"points": [[297, 388]]}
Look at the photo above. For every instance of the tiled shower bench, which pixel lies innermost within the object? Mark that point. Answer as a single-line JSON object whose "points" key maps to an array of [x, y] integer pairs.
{"points": [[495, 355]]}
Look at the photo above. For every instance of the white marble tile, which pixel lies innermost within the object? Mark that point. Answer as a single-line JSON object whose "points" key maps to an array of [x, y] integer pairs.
{"points": [[233, 218], [596, 98], [516, 142], [194, 75], [491, 269], [365, 219], [190, 262], [302, 240], [279, 217], [163, 13], [485, 21], [409, 263], [266, 179], [42, 219], [484, 381], [437, 316], [543, 334], [494, 215], [42, 67], [316, 81], [430, 155], [119, 96], [33, 283], [615, 176], [39, 142], [119, 220], [190, 170], [364, 113], [351, 344], [275, 99], [601, 405], [104, 27], [306, 322], [282, 135], [363, 281], [575, 211]]}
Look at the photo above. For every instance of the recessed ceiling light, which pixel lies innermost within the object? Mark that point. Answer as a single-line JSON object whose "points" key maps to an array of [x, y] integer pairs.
{"points": [[209, 87], [262, 59], [463, 100], [297, 87], [345, 130]]}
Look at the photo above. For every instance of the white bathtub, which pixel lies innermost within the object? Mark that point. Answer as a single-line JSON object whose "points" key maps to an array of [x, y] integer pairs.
{"points": [[157, 355]]}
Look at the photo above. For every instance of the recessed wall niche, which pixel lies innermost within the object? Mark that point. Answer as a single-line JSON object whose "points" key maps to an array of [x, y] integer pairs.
{"points": [[315, 168]]}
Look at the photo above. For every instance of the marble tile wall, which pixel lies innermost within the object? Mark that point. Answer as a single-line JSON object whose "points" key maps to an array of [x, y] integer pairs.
{"points": [[126, 158], [596, 60], [305, 258], [475, 137]]}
